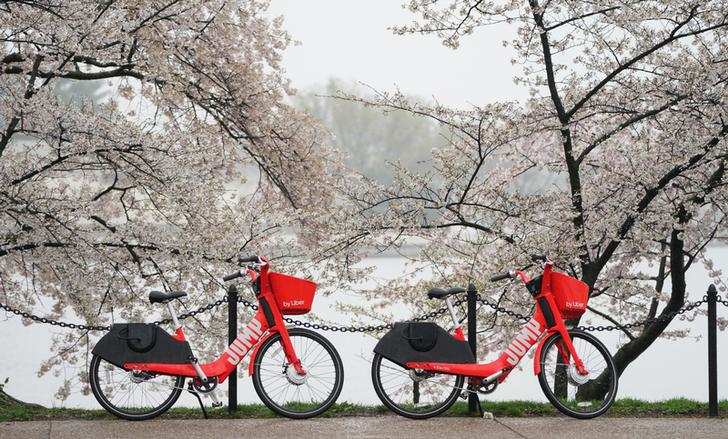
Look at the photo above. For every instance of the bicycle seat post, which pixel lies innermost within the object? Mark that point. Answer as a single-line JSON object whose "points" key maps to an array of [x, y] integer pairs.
{"points": [[453, 314], [193, 360], [173, 313]]}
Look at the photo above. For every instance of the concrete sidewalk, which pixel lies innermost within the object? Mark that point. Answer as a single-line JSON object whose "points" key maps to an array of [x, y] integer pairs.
{"points": [[373, 427]]}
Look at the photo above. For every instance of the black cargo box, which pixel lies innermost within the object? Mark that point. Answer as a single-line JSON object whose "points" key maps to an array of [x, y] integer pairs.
{"points": [[422, 341], [141, 343]]}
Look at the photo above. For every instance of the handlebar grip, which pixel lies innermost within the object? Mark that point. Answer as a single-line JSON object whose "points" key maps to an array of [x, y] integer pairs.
{"points": [[539, 258], [501, 276], [230, 277], [243, 260]]}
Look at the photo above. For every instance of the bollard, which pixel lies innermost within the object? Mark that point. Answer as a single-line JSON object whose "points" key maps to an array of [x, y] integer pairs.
{"points": [[232, 334], [473, 403], [712, 354]]}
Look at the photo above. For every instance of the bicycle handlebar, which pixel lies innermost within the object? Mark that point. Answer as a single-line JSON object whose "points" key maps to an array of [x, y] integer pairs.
{"points": [[255, 260], [501, 276], [520, 273], [230, 277]]}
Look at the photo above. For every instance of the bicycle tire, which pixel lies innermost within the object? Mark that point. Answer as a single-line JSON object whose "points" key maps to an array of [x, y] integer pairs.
{"points": [[338, 370], [103, 400], [391, 405], [548, 392]]}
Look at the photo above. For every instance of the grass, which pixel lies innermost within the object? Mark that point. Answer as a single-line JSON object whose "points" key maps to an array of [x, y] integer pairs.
{"points": [[678, 407]]}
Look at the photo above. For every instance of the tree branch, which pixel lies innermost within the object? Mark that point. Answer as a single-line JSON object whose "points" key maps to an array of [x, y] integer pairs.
{"points": [[622, 67]]}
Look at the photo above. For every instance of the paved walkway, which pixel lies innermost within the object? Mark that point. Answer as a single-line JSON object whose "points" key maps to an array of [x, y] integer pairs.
{"points": [[373, 427]]}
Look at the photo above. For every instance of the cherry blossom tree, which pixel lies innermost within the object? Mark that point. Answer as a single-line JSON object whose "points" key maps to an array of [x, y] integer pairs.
{"points": [[192, 154], [627, 113]]}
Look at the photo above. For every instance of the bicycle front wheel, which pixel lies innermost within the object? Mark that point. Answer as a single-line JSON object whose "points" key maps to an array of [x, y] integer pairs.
{"points": [[286, 392], [415, 395], [573, 394]]}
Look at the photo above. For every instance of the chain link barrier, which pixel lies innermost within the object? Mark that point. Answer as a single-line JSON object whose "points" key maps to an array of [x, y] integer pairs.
{"points": [[720, 300], [194, 312], [499, 309], [368, 328], [352, 328], [668, 316], [52, 322], [83, 327]]}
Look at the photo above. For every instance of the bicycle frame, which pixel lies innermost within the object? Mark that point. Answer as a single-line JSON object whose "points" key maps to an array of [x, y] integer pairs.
{"points": [[545, 321], [267, 322]]}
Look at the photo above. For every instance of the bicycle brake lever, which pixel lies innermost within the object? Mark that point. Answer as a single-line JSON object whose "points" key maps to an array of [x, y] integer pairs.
{"points": [[526, 267]]}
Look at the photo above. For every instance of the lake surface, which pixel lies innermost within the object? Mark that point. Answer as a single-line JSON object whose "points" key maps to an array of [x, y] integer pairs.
{"points": [[668, 369]]}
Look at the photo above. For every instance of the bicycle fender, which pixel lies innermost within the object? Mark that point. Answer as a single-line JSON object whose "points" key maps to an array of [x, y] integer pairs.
{"points": [[537, 354], [254, 352]]}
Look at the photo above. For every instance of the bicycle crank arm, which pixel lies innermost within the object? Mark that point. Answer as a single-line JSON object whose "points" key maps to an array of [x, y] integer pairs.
{"points": [[215, 400], [491, 379], [203, 378]]}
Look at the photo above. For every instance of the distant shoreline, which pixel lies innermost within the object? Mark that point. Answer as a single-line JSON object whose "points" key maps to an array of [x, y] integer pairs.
{"points": [[409, 250]]}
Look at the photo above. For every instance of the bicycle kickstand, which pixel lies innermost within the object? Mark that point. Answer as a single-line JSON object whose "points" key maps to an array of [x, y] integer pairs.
{"points": [[197, 395], [483, 413], [480, 406]]}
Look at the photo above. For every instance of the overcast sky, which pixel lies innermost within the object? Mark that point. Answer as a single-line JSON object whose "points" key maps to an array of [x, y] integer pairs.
{"points": [[350, 39]]}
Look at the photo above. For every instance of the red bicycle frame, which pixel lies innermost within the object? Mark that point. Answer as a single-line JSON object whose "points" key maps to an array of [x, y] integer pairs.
{"points": [[267, 322], [546, 320]]}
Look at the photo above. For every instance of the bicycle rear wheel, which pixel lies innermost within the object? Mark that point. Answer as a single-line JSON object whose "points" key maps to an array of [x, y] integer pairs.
{"points": [[415, 395], [136, 396], [284, 391], [581, 397]]}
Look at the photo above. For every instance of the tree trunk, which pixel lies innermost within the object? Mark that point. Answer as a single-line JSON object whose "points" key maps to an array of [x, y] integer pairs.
{"points": [[8, 401], [596, 389], [561, 383], [629, 352]]}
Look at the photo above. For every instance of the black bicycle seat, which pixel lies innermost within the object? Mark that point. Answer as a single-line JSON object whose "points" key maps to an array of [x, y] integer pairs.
{"points": [[440, 293], [161, 297]]}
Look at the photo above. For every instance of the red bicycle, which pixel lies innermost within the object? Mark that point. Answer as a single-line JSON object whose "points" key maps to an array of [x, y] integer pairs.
{"points": [[419, 369], [138, 371]]}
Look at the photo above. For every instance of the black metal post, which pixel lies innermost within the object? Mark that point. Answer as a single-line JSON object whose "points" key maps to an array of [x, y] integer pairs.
{"points": [[712, 354], [232, 334], [473, 404]]}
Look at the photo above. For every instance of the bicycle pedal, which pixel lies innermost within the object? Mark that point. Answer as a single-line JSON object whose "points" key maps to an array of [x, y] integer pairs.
{"points": [[217, 404]]}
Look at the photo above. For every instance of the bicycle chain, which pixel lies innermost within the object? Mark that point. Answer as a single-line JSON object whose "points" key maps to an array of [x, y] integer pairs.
{"points": [[361, 329]]}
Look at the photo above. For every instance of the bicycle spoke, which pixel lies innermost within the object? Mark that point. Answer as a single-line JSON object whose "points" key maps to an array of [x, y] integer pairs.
{"points": [[580, 394], [282, 385], [415, 394], [133, 394]]}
